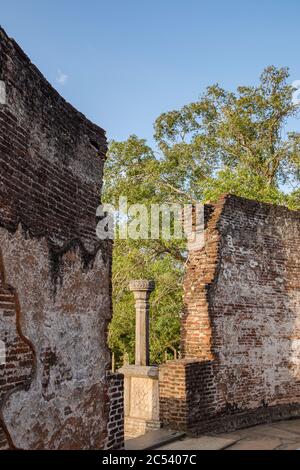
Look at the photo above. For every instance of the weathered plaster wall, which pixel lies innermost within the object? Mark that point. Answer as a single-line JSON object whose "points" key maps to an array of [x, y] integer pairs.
{"points": [[16, 367], [241, 329], [54, 389]]}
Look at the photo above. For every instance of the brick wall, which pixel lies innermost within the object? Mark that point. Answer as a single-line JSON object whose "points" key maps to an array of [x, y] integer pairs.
{"points": [[187, 393], [241, 330], [57, 287], [51, 158], [115, 437]]}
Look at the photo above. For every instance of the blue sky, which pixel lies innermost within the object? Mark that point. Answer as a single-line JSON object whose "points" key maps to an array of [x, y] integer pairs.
{"points": [[122, 63]]}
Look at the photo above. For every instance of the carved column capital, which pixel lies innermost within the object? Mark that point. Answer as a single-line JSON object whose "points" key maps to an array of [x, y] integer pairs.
{"points": [[142, 285]]}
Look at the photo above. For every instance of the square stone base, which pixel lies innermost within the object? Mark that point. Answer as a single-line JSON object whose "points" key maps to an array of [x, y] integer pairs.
{"points": [[141, 400]]}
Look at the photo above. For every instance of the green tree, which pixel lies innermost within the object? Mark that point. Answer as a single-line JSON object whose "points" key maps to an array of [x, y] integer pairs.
{"points": [[223, 142], [226, 141], [129, 172]]}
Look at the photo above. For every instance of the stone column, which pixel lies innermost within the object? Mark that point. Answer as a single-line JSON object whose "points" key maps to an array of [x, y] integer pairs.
{"points": [[141, 397], [142, 290]]}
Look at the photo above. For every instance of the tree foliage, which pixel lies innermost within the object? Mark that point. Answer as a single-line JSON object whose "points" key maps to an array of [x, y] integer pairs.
{"points": [[223, 142]]}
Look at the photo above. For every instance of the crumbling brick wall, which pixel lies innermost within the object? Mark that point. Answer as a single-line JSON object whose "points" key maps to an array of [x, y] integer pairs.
{"points": [[55, 283], [241, 329]]}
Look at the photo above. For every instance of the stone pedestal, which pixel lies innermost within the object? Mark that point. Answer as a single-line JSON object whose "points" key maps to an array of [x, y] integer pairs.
{"points": [[141, 395], [141, 400]]}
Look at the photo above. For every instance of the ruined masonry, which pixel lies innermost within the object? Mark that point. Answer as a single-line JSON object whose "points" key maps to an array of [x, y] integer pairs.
{"points": [[55, 275], [240, 335]]}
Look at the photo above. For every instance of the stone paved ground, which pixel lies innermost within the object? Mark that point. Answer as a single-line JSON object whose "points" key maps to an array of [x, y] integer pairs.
{"points": [[282, 435]]}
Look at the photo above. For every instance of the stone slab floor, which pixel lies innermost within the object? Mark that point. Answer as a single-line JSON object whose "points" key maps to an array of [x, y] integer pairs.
{"points": [[282, 435]]}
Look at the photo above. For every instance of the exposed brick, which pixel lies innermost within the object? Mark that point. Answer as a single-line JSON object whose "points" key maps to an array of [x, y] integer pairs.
{"points": [[115, 404], [54, 319], [240, 331]]}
